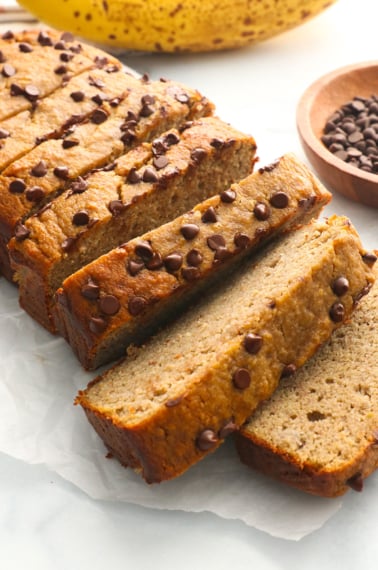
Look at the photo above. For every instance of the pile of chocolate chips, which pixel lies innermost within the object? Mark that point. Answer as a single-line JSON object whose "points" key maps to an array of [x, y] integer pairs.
{"points": [[351, 133]]}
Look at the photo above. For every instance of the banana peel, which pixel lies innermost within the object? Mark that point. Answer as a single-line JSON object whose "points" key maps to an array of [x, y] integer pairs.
{"points": [[175, 25]]}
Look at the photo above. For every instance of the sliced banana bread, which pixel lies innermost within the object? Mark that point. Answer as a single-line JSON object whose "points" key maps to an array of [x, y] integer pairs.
{"points": [[146, 110], [33, 64], [145, 188], [319, 431], [123, 296], [174, 400]]}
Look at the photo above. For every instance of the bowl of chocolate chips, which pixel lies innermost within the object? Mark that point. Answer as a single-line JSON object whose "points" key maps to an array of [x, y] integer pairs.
{"points": [[337, 121]]}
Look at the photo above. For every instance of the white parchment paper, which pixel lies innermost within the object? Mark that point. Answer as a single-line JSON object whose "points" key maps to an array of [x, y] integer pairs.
{"points": [[39, 378]]}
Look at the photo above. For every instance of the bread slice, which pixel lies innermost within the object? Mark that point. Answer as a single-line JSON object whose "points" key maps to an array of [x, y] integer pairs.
{"points": [[319, 431], [147, 109], [174, 400], [146, 187], [34, 64], [123, 296]]}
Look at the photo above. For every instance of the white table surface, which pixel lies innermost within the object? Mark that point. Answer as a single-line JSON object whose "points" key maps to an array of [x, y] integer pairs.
{"points": [[49, 524]]}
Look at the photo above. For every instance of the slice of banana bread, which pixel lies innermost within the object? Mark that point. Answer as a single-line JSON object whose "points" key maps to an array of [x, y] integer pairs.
{"points": [[123, 296], [147, 110], [146, 187], [34, 64], [319, 431], [175, 399]]}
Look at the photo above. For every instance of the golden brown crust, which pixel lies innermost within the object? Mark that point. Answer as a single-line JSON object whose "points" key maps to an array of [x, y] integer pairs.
{"points": [[174, 400], [123, 296]]}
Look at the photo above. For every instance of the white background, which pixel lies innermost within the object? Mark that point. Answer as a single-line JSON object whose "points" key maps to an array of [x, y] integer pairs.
{"points": [[47, 523]]}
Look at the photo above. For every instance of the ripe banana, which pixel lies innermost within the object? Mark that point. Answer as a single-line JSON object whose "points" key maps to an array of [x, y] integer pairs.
{"points": [[175, 25]]}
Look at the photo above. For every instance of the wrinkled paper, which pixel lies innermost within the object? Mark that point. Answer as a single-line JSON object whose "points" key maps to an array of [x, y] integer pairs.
{"points": [[40, 425]]}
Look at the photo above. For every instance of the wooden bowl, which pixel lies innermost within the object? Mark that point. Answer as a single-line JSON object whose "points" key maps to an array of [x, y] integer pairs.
{"points": [[315, 107]]}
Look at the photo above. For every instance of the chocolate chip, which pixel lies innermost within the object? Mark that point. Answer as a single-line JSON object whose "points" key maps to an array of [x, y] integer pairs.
{"points": [[31, 92], [99, 98], [369, 258], [149, 175], [39, 170], [228, 196], [61, 172], [221, 254], [90, 291], [209, 216], [217, 143], [171, 139], [252, 343], [198, 154], [189, 231], [97, 325], [133, 176], [25, 47], [228, 428], [77, 96], [116, 207], [340, 286], [2, 57], [8, 70], [241, 378], [269, 167], [128, 136], [109, 305], [173, 261], [133, 267], [261, 211], [16, 90], [337, 312], [4, 134], [154, 262], [182, 97], [17, 186], [21, 232], [44, 39], [144, 250], [194, 257], [279, 200], [69, 143], [160, 162], [60, 70], [288, 370], [136, 305], [80, 218], [68, 243], [67, 37], [206, 440], [216, 241], [241, 240], [190, 273], [99, 116], [66, 57], [79, 186], [146, 111], [35, 194], [356, 482]]}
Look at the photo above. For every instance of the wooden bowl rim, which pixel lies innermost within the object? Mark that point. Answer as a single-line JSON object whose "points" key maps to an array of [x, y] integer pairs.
{"points": [[305, 127]]}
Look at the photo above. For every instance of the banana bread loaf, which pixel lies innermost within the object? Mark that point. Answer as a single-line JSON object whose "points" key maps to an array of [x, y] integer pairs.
{"points": [[146, 110], [123, 296], [148, 186], [319, 431], [174, 400], [34, 64]]}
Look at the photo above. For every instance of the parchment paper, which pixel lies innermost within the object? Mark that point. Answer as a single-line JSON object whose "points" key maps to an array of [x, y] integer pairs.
{"points": [[39, 378]]}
